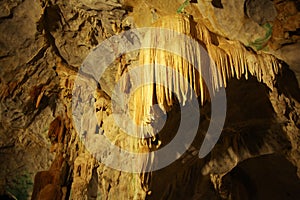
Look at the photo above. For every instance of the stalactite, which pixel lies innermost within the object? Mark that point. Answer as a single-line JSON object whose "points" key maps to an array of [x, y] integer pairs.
{"points": [[230, 59]]}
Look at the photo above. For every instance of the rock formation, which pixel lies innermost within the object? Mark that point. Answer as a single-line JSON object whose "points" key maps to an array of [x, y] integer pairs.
{"points": [[53, 126]]}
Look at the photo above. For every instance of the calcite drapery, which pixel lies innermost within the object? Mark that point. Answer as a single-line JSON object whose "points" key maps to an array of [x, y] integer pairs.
{"points": [[228, 59]]}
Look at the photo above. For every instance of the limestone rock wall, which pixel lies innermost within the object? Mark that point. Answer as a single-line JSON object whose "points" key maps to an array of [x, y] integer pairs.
{"points": [[44, 42]]}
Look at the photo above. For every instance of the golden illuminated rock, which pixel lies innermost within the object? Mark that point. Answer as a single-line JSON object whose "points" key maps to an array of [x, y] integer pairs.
{"points": [[228, 59]]}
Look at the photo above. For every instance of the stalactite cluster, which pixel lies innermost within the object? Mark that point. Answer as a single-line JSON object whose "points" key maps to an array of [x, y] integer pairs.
{"points": [[227, 59]]}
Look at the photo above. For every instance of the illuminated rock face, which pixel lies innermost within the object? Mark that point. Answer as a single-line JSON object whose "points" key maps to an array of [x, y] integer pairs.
{"points": [[43, 43], [228, 59]]}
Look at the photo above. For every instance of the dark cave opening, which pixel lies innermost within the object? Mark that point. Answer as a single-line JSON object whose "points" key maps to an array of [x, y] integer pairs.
{"points": [[264, 177], [249, 126]]}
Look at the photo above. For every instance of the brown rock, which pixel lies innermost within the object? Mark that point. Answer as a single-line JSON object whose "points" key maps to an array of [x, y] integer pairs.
{"points": [[50, 192]]}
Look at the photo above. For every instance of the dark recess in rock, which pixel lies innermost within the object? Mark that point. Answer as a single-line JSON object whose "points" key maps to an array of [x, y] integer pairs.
{"points": [[217, 3]]}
